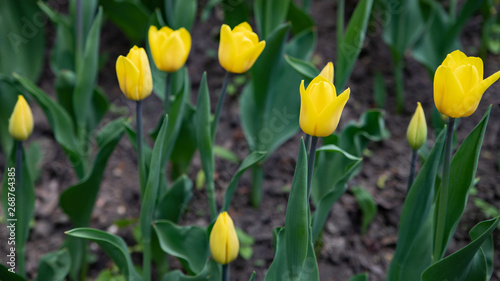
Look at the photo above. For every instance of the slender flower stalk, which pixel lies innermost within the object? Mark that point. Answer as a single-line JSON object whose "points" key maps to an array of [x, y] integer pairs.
{"points": [[443, 193], [19, 192], [413, 165], [310, 164], [166, 102], [139, 137], [220, 103], [225, 272]]}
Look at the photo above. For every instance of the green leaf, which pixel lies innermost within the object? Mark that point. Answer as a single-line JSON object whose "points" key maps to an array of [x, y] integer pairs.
{"points": [[113, 245], [58, 118], [297, 216], [180, 13], [414, 248], [269, 15], [302, 45], [34, 157], [211, 272], [132, 17], [8, 96], [463, 168], [252, 277], [226, 154], [173, 204], [304, 68], [300, 19], [203, 135], [22, 29], [148, 203], [54, 266], [188, 243], [21, 211], [379, 90], [185, 145], [349, 49], [99, 107], [250, 160], [107, 275], [457, 265], [5, 274], [359, 277], [86, 73], [367, 204], [235, 12]]}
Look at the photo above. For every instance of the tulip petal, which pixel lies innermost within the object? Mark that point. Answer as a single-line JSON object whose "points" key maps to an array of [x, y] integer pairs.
{"points": [[21, 120], [233, 245], [246, 60], [145, 83], [454, 59], [186, 39], [328, 72], [321, 94], [227, 50], [330, 117], [471, 102], [218, 238], [468, 76], [477, 63], [308, 115], [166, 30], [448, 92], [173, 56], [128, 76], [244, 26]]}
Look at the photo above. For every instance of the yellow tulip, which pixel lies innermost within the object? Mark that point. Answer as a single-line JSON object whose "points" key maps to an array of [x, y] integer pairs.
{"points": [[134, 74], [21, 120], [239, 48], [459, 84], [320, 107], [417, 130], [170, 48], [224, 243]]}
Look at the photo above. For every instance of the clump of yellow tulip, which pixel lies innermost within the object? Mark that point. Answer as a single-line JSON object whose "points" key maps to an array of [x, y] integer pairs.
{"points": [[459, 84], [21, 120], [134, 74], [320, 107], [239, 48], [170, 48]]}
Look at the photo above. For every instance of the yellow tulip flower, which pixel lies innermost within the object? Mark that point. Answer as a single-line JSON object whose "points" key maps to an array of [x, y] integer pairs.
{"points": [[459, 84], [320, 107], [21, 120], [239, 48], [224, 243], [417, 130], [134, 74], [170, 48]]}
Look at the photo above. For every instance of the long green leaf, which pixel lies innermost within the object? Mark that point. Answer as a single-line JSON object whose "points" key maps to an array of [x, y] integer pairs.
{"points": [[457, 265], [6, 274], [54, 266], [367, 204], [463, 168], [174, 202], [188, 243], [210, 272], [350, 47], [250, 160], [269, 15], [132, 17], [113, 245], [414, 248], [304, 68], [181, 13]]}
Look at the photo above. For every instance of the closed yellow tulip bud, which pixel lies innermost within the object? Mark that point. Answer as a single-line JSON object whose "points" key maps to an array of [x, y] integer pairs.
{"points": [[320, 107], [170, 48], [459, 84], [134, 74], [21, 120], [239, 48], [224, 243], [417, 130]]}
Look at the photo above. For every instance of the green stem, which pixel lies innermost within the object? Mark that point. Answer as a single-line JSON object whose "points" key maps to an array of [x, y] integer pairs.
{"points": [[139, 136], [19, 192], [211, 198], [413, 164], [310, 164], [340, 24], [307, 141], [220, 102], [146, 260], [225, 272], [166, 101], [79, 31], [443, 194], [256, 192]]}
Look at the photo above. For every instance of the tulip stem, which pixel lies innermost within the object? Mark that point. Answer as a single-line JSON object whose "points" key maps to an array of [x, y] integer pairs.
{"points": [[19, 192], [307, 141], [166, 102], [413, 164], [399, 80], [225, 272], [310, 164], [142, 171], [220, 102], [443, 194]]}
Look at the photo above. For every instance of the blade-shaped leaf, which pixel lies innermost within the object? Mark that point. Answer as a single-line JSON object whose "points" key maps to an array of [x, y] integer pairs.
{"points": [[463, 168], [6, 274], [457, 265], [180, 13], [414, 226], [189, 243], [113, 245], [173, 204], [304, 68], [359, 277], [210, 272], [269, 15], [132, 17], [367, 204], [54, 266], [250, 160]]}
